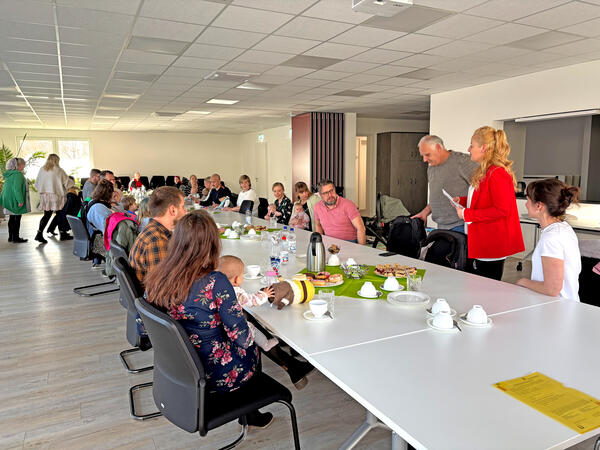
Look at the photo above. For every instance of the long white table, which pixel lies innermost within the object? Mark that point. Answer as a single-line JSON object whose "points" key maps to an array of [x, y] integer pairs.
{"points": [[397, 368]]}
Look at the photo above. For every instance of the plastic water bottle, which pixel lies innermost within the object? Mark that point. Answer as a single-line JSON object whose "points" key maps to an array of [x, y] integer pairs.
{"points": [[284, 237], [291, 241], [248, 217]]}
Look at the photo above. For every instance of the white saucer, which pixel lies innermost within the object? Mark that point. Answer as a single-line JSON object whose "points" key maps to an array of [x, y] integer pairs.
{"points": [[430, 314], [463, 319], [257, 277], [445, 330], [407, 298], [379, 294], [400, 288], [308, 315], [302, 255]]}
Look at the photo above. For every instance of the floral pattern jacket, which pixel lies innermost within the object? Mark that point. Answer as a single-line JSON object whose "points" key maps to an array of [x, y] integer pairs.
{"points": [[285, 208], [215, 324]]}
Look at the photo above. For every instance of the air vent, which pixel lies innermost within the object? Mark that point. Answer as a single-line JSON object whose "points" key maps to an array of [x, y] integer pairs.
{"points": [[164, 114], [240, 77], [385, 8]]}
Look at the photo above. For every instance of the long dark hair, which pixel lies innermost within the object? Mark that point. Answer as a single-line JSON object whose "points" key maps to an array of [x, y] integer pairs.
{"points": [[193, 252], [556, 195]]}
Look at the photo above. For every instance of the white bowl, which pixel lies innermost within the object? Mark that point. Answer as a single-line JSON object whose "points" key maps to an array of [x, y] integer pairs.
{"points": [[318, 307]]}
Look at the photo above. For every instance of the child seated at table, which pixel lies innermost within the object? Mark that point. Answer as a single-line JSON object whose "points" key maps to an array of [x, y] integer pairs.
{"points": [[129, 205], [233, 268], [299, 217]]}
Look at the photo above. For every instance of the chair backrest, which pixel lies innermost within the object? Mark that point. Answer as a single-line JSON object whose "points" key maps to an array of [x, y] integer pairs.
{"points": [[247, 205], [263, 207], [117, 251], [405, 236], [179, 379], [170, 181], [157, 181], [82, 181], [144, 181], [125, 181], [130, 290], [448, 248], [233, 198], [81, 239]]}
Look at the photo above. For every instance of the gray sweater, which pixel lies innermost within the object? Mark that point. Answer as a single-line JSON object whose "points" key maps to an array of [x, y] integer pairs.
{"points": [[454, 176]]}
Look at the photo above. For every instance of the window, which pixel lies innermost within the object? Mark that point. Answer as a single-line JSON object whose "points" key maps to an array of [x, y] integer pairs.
{"points": [[74, 155]]}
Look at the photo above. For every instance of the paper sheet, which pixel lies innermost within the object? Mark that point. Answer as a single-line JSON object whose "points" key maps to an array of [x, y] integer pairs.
{"points": [[572, 408], [458, 205]]}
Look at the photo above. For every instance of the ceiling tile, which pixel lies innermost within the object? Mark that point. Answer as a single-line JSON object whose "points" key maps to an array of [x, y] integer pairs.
{"points": [[378, 55], [458, 48], [449, 5], [367, 37], [336, 10], [106, 22], [118, 6], [420, 60], [27, 11], [410, 20], [563, 16], [286, 45], [425, 74], [229, 38], [28, 46], [251, 19], [311, 28], [166, 29], [199, 11], [156, 45], [577, 48], [510, 10], [80, 36], [352, 66], [327, 75], [283, 71], [532, 58], [137, 56], [415, 43], [199, 63], [310, 62], [239, 66], [505, 33], [332, 50], [499, 53], [365, 78], [290, 7], [27, 31], [459, 26], [212, 51], [590, 28], [390, 71], [264, 57], [544, 40]]}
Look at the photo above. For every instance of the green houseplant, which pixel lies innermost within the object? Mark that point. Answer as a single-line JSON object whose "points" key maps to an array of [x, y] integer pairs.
{"points": [[6, 154]]}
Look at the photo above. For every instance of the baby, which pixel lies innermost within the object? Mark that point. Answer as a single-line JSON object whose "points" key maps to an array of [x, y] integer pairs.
{"points": [[129, 205], [299, 218], [233, 268]]}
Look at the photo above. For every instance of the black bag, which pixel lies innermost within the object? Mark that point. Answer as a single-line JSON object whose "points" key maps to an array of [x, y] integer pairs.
{"points": [[405, 236], [448, 248]]}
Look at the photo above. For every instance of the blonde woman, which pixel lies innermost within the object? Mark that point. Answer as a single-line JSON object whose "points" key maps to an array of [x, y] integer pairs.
{"points": [[308, 200], [52, 183], [15, 197], [490, 213], [246, 193]]}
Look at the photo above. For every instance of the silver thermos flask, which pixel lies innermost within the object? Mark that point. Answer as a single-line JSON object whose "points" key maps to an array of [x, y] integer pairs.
{"points": [[315, 255]]}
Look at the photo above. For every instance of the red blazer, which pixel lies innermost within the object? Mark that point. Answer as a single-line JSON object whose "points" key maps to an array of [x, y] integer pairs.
{"points": [[495, 231]]}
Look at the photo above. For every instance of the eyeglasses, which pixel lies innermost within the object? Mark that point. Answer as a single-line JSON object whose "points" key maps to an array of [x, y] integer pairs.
{"points": [[330, 191]]}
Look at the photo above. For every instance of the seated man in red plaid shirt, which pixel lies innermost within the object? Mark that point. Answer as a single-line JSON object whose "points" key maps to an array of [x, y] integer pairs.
{"points": [[150, 247]]}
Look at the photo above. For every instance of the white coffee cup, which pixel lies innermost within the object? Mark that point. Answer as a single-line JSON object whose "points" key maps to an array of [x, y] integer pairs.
{"points": [[252, 232], [391, 284], [318, 307], [440, 305], [477, 315], [197, 206], [227, 232], [334, 260], [368, 290], [233, 235], [443, 319], [350, 262], [253, 270]]}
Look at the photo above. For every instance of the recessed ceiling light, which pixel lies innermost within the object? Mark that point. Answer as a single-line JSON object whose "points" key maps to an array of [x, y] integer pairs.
{"points": [[39, 97], [25, 120], [198, 112], [220, 101], [157, 45], [230, 76], [107, 117], [253, 86], [131, 96], [71, 99]]}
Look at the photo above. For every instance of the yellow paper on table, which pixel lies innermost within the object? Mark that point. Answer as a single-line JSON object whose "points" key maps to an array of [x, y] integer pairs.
{"points": [[572, 408]]}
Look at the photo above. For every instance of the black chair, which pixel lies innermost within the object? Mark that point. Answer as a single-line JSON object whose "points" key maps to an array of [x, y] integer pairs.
{"points": [[125, 182], [157, 181], [131, 289], [447, 248], [170, 181], [145, 182], [405, 236], [180, 383], [82, 247], [247, 205], [82, 182], [116, 252], [263, 207], [233, 199]]}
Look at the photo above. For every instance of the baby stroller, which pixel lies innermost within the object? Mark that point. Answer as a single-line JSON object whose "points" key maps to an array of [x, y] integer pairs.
{"points": [[386, 210]]}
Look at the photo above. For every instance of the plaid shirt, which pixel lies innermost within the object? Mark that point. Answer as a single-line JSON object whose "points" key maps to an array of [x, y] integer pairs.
{"points": [[149, 249]]}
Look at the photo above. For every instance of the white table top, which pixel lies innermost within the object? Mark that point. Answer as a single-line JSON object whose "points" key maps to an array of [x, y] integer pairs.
{"points": [[435, 389]]}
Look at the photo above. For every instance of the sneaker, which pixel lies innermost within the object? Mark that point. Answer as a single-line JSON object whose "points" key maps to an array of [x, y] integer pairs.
{"points": [[298, 374], [19, 240], [258, 420], [40, 238]]}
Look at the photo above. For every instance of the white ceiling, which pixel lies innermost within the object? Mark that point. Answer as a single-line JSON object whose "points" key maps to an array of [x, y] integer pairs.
{"points": [[114, 64]]}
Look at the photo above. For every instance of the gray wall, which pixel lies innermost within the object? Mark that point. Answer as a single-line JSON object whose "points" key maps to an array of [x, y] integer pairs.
{"points": [[516, 133], [554, 147]]}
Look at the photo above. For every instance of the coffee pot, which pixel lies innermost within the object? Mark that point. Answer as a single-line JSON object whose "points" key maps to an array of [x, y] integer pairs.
{"points": [[315, 255]]}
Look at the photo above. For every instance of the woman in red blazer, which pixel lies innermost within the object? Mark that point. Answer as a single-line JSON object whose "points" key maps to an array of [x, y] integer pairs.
{"points": [[490, 212]]}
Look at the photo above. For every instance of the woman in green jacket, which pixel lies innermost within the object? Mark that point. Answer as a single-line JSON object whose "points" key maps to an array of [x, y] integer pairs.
{"points": [[14, 197]]}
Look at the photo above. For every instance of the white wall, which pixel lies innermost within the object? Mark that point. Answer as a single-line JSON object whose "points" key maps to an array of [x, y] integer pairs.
{"points": [[275, 163], [370, 127], [152, 153]]}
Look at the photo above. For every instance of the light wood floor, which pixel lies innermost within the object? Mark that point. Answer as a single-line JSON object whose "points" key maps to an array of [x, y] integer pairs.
{"points": [[62, 385]]}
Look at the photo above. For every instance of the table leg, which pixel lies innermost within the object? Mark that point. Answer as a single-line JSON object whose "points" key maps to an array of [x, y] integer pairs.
{"points": [[398, 443], [370, 422]]}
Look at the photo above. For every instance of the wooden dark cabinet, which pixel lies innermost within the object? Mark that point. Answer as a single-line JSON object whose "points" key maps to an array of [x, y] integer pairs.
{"points": [[401, 172]]}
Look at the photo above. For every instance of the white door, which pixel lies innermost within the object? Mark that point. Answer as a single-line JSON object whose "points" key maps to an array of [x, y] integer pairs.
{"points": [[260, 175]]}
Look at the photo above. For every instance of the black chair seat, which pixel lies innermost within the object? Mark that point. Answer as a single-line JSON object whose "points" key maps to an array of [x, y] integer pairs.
{"points": [[261, 390], [246, 205]]}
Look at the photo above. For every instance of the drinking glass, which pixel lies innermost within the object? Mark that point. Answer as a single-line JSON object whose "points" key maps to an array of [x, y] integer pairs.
{"points": [[273, 222], [329, 296], [413, 282]]}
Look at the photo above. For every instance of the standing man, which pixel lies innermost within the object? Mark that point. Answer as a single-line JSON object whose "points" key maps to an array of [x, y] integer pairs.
{"points": [[166, 206], [90, 184], [217, 193], [338, 217], [447, 170]]}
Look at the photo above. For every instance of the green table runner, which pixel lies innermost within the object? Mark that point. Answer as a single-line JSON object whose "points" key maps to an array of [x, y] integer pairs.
{"points": [[270, 230], [351, 286]]}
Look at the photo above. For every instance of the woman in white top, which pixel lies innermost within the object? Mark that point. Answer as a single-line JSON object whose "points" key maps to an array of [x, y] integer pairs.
{"points": [[52, 183], [556, 261], [247, 193]]}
